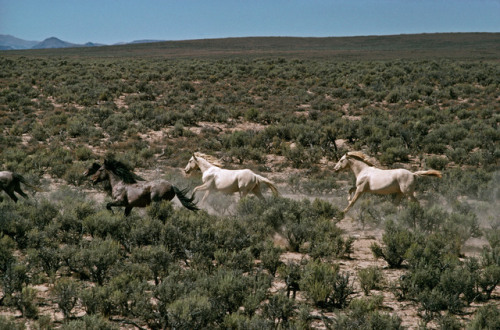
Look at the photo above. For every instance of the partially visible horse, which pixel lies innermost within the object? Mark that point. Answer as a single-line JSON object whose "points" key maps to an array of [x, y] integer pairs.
{"points": [[226, 181], [10, 182], [378, 181], [127, 191]]}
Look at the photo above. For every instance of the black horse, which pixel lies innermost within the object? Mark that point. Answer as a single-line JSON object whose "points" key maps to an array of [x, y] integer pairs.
{"points": [[128, 191]]}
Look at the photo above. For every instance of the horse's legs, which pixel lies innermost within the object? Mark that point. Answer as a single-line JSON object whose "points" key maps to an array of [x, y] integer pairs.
{"points": [[353, 189], [359, 192], [205, 195], [399, 197], [413, 198], [205, 186], [11, 195], [256, 191], [128, 209], [20, 192], [108, 207]]}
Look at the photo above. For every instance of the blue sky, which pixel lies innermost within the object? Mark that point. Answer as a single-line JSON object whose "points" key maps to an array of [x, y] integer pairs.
{"points": [[113, 21]]}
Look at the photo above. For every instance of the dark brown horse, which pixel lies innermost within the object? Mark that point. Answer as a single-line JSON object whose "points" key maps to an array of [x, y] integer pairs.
{"points": [[10, 182], [107, 186], [127, 191]]}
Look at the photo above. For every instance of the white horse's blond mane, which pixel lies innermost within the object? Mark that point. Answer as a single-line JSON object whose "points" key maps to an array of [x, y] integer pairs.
{"points": [[361, 156], [211, 159]]}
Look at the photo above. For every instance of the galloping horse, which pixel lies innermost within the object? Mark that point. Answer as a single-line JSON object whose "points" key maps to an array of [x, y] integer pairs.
{"points": [[226, 181], [128, 192], [107, 186], [10, 182], [378, 181]]}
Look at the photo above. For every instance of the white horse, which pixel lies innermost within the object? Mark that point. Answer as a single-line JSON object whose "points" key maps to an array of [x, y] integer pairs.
{"points": [[378, 181], [226, 181]]}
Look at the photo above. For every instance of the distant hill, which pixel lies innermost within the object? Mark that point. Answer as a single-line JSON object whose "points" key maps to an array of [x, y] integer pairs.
{"points": [[53, 42], [8, 42]]}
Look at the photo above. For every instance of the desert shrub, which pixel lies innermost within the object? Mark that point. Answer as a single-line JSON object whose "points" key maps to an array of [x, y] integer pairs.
{"points": [[270, 258], [190, 312], [240, 321], [157, 258], [324, 285], [66, 295], [26, 302], [458, 225], [96, 299], [438, 163], [487, 317], [363, 313], [7, 246], [46, 257], [103, 224], [291, 273], [490, 274], [370, 278], [450, 322], [89, 322], [327, 241], [98, 256], [14, 279], [144, 231], [7, 323], [238, 259], [279, 310], [396, 241]]}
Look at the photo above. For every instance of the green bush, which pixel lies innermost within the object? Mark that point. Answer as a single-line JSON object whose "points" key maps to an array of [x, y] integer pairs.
{"points": [[396, 242], [9, 324], [66, 295], [370, 278], [89, 322], [324, 285], [487, 317]]}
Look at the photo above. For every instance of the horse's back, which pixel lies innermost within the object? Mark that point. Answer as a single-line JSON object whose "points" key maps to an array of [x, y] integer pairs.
{"points": [[386, 181]]}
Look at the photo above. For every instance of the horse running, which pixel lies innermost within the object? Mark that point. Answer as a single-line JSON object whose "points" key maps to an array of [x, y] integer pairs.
{"points": [[10, 182], [226, 181], [378, 181], [127, 191]]}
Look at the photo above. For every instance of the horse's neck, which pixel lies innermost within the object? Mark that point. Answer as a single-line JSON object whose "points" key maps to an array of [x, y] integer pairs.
{"points": [[357, 166], [114, 180], [204, 165]]}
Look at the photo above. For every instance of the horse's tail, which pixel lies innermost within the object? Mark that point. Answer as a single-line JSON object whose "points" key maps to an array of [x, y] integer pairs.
{"points": [[21, 179], [187, 202], [269, 183], [429, 173]]}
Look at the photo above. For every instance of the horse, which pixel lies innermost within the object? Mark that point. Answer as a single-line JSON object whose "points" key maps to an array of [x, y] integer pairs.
{"points": [[107, 187], [127, 191], [226, 181], [378, 181], [10, 182]]}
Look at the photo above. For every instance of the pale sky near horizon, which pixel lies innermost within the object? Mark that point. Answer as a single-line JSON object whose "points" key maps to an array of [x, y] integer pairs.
{"points": [[113, 21]]}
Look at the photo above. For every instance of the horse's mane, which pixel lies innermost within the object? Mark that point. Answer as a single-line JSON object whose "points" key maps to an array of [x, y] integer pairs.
{"points": [[121, 170], [360, 156], [211, 159]]}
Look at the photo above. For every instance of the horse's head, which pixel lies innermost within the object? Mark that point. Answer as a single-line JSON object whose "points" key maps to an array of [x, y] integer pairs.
{"points": [[191, 165], [92, 169], [341, 164], [101, 174]]}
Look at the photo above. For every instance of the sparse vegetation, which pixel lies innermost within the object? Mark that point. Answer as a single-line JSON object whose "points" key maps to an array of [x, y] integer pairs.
{"points": [[290, 115]]}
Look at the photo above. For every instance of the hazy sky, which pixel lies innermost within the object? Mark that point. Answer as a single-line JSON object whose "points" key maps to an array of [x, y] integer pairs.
{"points": [[112, 21]]}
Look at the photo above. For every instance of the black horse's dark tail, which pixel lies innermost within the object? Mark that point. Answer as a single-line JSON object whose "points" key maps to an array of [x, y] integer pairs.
{"points": [[187, 202], [21, 179]]}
